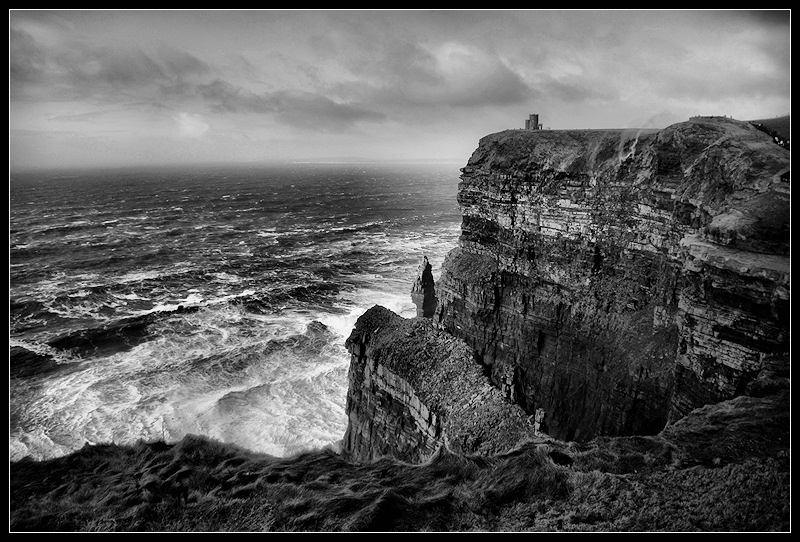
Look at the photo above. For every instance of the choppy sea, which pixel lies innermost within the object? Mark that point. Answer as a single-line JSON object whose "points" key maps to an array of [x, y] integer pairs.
{"points": [[154, 303]]}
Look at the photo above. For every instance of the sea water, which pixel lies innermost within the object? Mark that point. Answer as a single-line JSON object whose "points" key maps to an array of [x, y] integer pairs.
{"points": [[152, 303]]}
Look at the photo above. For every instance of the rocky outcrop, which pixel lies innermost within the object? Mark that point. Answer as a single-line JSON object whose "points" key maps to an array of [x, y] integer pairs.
{"points": [[414, 387], [613, 279], [423, 291]]}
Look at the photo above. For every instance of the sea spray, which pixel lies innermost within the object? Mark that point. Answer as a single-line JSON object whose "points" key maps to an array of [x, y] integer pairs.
{"points": [[177, 310]]}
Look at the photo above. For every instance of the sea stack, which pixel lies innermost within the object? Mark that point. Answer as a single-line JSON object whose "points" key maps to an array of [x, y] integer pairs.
{"points": [[423, 293]]}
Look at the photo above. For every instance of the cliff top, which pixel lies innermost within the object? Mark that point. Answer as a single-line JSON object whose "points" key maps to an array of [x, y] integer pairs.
{"points": [[708, 130], [734, 174]]}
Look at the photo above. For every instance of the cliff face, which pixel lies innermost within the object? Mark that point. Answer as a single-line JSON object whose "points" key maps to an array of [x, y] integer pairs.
{"points": [[414, 387], [606, 282], [611, 280]]}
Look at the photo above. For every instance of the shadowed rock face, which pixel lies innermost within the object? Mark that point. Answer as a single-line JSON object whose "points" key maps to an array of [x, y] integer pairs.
{"points": [[615, 279], [414, 387]]}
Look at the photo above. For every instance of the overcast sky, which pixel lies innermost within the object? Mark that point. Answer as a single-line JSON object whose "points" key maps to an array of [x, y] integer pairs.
{"points": [[140, 87]]}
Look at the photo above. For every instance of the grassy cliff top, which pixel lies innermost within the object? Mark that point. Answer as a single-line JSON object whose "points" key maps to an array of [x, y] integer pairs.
{"points": [[722, 468]]}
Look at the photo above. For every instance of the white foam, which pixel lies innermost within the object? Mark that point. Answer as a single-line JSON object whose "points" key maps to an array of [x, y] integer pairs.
{"points": [[227, 277], [139, 276], [130, 297], [87, 309], [211, 376], [256, 380]]}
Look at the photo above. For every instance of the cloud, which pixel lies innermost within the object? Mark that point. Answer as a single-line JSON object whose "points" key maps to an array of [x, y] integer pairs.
{"points": [[766, 17], [575, 90], [62, 68], [456, 74], [297, 108], [58, 67], [451, 74], [191, 126], [25, 60], [230, 98], [471, 77], [309, 110], [115, 67], [180, 63]]}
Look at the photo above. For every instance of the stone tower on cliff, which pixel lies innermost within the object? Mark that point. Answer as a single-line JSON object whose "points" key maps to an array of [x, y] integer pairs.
{"points": [[532, 122]]}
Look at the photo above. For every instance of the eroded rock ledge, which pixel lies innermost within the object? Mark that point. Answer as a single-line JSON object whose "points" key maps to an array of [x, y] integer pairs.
{"points": [[414, 387]]}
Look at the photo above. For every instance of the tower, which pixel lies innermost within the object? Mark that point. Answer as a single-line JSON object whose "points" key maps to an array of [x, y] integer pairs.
{"points": [[532, 122]]}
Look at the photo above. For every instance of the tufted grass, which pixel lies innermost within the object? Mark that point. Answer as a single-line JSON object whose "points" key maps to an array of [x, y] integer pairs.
{"points": [[724, 468]]}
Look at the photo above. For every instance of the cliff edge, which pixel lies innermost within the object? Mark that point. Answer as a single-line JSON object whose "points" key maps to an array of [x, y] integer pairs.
{"points": [[613, 280], [606, 282]]}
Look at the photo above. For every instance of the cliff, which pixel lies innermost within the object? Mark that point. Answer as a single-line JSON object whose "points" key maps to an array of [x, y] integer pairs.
{"points": [[414, 387], [606, 282], [615, 279]]}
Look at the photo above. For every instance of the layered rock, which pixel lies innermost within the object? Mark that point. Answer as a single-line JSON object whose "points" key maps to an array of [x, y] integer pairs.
{"points": [[414, 387], [613, 279]]}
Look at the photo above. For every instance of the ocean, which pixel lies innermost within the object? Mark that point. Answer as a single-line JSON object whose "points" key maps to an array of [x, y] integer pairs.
{"points": [[153, 303]]}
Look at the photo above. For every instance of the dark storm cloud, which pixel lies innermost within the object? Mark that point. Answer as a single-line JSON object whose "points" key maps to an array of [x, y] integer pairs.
{"points": [[113, 66], [225, 97], [121, 73], [747, 85], [300, 109], [769, 17], [419, 59], [25, 60], [309, 110], [576, 91], [440, 79], [180, 63], [79, 70], [386, 62], [496, 88], [408, 75], [777, 55]]}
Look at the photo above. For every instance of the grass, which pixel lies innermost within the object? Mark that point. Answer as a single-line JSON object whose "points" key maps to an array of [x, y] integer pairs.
{"points": [[100, 488], [780, 125], [655, 483]]}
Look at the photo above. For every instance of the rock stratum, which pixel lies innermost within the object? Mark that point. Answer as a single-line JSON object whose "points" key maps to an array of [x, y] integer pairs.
{"points": [[606, 283]]}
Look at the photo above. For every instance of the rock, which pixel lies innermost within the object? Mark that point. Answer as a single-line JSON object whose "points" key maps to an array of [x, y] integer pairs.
{"points": [[606, 282], [616, 279], [423, 292], [560, 458], [413, 389]]}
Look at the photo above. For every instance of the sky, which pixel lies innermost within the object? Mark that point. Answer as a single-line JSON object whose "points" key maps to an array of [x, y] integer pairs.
{"points": [[130, 87]]}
